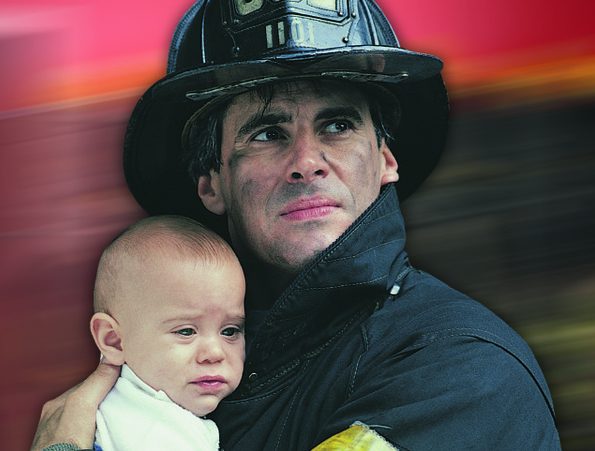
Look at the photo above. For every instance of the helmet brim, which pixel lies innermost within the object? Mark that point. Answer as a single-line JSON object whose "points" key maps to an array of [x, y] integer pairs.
{"points": [[152, 151]]}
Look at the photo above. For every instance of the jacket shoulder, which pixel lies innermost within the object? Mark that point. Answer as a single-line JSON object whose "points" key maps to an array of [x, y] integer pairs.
{"points": [[439, 370], [427, 310]]}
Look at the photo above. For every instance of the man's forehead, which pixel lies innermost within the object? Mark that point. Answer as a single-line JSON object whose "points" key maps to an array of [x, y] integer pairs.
{"points": [[293, 94]]}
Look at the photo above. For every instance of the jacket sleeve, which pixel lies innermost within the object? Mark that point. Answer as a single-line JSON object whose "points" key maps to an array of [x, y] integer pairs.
{"points": [[458, 392]]}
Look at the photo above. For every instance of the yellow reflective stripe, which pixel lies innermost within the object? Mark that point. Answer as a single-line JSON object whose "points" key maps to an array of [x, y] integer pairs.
{"points": [[358, 437]]}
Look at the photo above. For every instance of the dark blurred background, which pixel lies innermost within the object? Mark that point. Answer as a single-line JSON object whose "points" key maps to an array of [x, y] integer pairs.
{"points": [[508, 216]]}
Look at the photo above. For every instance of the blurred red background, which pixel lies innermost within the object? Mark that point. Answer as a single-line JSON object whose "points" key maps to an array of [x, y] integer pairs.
{"points": [[508, 216]]}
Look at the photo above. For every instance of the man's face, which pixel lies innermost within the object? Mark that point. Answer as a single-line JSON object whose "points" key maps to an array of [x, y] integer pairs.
{"points": [[296, 174], [181, 327]]}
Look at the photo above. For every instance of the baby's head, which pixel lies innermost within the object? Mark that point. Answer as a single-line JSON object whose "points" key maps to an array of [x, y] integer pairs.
{"points": [[169, 302]]}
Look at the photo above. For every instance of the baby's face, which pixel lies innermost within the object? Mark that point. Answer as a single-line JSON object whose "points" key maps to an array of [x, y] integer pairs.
{"points": [[184, 332]]}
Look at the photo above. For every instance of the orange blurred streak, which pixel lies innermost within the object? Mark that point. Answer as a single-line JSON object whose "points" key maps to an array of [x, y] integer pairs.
{"points": [[501, 82], [74, 86], [540, 82]]}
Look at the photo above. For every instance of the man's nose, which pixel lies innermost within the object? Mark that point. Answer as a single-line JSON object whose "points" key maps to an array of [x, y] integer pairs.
{"points": [[210, 350], [307, 159]]}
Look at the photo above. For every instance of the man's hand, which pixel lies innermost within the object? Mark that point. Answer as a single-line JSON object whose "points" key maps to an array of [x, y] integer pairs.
{"points": [[70, 418]]}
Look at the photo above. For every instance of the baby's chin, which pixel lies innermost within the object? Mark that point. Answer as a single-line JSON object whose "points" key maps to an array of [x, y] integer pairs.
{"points": [[201, 407]]}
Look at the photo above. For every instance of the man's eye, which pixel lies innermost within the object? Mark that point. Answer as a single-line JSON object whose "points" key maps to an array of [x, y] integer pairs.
{"points": [[270, 134], [186, 332], [337, 127], [231, 331]]}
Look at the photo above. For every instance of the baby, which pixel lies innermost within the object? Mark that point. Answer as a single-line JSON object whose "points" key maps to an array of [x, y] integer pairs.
{"points": [[169, 307]]}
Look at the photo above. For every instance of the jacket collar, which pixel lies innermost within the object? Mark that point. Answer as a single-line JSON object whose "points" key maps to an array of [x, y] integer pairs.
{"points": [[349, 278]]}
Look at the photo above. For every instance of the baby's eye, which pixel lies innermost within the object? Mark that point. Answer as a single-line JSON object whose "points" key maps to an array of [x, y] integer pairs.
{"points": [[337, 127], [186, 332], [270, 134], [231, 331]]}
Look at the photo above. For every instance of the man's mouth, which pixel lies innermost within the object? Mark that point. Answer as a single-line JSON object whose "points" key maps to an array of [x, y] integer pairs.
{"points": [[309, 208]]}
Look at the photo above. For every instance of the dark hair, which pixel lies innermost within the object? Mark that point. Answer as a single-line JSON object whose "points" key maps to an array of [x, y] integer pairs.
{"points": [[201, 142], [201, 139]]}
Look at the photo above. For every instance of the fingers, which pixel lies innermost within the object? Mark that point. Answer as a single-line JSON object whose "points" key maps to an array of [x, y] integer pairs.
{"points": [[70, 418], [89, 394]]}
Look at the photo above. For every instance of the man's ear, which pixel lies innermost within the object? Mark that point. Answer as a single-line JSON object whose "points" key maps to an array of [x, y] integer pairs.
{"points": [[106, 333], [388, 165], [209, 191]]}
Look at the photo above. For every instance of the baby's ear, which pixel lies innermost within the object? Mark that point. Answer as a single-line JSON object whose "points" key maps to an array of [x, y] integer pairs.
{"points": [[106, 333]]}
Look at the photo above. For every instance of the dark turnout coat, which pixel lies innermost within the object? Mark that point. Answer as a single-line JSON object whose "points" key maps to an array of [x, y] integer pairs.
{"points": [[426, 367]]}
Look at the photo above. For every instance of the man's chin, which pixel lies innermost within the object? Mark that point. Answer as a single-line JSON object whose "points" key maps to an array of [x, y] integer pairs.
{"points": [[302, 253]]}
